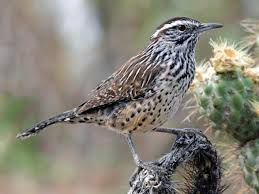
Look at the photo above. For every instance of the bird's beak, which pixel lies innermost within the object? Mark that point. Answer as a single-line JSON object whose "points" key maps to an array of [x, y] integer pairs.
{"points": [[208, 26]]}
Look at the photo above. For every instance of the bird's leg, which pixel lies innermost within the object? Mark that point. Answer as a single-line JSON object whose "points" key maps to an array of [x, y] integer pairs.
{"points": [[140, 163], [133, 150]]}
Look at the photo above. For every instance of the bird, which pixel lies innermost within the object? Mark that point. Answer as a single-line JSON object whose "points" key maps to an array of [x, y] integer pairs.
{"points": [[146, 91]]}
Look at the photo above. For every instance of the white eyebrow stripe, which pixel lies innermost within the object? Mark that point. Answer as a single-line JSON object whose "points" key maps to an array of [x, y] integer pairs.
{"points": [[166, 26]]}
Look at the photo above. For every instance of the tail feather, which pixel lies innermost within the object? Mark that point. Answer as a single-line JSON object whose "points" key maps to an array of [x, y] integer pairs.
{"points": [[65, 116]]}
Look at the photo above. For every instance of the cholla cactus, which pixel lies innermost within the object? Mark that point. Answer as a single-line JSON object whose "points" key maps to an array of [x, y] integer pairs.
{"points": [[249, 159], [253, 73], [226, 91], [228, 58]]}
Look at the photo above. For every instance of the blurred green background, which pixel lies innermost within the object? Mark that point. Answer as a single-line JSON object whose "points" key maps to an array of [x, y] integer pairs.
{"points": [[52, 53]]}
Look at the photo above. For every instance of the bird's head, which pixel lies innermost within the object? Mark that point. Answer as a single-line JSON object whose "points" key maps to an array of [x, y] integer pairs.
{"points": [[182, 29]]}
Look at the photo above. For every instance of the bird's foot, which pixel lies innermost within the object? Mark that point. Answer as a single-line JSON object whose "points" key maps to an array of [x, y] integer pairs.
{"points": [[149, 166]]}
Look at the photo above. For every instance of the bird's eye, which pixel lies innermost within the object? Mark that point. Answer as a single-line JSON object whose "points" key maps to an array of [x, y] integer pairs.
{"points": [[182, 28]]}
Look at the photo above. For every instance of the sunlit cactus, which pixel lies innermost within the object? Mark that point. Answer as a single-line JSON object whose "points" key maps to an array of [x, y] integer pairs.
{"points": [[226, 90]]}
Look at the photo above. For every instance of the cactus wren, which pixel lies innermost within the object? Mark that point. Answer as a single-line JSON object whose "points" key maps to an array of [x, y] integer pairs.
{"points": [[142, 94]]}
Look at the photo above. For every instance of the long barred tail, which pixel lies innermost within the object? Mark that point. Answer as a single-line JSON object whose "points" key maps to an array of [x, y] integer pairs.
{"points": [[63, 117]]}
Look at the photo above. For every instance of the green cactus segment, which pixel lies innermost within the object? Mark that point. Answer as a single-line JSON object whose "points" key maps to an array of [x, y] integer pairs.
{"points": [[228, 97], [226, 102], [250, 164]]}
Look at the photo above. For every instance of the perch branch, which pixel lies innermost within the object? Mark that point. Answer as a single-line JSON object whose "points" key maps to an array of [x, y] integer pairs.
{"points": [[194, 152]]}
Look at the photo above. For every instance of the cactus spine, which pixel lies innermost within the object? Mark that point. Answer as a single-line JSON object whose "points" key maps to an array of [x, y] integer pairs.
{"points": [[226, 90]]}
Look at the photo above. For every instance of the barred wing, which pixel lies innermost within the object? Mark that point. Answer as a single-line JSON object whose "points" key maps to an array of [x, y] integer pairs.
{"points": [[131, 81]]}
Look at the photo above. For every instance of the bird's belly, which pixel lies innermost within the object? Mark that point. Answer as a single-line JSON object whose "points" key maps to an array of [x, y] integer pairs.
{"points": [[145, 114]]}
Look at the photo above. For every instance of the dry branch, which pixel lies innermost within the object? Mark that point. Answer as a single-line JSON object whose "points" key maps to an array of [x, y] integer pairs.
{"points": [[195, 153]]}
